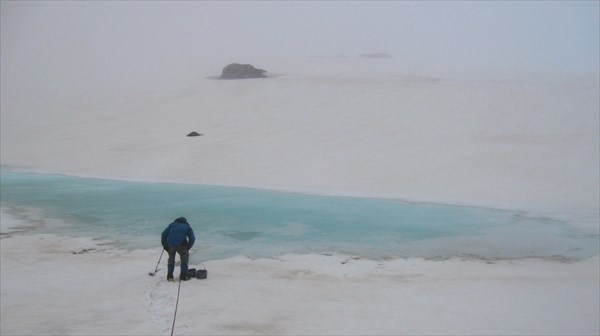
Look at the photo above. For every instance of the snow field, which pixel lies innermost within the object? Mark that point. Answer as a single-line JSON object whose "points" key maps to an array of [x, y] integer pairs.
{"points": [[61, 285]]}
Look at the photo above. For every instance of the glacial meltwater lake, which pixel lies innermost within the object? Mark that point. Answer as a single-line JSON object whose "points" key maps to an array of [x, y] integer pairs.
{"points": [[231, 221]]}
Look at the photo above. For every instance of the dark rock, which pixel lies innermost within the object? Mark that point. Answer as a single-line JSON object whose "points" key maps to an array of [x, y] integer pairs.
{"points": [[84, 251], [193, 134], [242, 71]]}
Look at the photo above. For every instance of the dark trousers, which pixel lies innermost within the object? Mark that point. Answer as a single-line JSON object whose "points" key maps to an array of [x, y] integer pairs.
{"points": [[184, 256]]}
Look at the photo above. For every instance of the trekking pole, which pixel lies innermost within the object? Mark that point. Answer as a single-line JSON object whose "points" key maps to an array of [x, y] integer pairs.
{"points": [[156, 269]]}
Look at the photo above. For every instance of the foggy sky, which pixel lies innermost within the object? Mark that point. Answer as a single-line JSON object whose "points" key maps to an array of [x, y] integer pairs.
{"points": [[79, 40]]}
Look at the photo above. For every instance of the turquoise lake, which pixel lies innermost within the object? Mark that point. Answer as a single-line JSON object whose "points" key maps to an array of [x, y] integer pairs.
{"points": [[232, 221]]}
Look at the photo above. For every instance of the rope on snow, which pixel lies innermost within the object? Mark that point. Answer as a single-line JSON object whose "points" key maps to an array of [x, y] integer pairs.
{"points": [[176, 305]]}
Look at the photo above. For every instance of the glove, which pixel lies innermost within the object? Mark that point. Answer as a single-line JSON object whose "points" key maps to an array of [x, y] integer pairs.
{"points": [[165, 247]]}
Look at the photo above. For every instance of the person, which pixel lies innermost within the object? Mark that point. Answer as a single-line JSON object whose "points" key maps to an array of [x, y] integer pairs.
{"points": [[179, 238]]}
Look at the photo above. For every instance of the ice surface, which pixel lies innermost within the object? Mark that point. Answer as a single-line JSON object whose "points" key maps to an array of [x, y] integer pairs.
{"points": [[255, 223]]}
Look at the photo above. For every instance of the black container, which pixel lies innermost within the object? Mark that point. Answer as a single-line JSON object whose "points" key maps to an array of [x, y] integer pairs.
{"points": [[192, 273], [201, 274]]}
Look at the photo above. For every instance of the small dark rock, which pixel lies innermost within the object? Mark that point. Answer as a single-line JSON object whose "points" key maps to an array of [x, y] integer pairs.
{"points": [[193, 134], [84, 251], [242, 71]]}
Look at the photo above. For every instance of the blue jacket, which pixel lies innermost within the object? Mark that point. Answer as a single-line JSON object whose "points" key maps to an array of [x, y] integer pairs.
{"points": [[175, 234]]}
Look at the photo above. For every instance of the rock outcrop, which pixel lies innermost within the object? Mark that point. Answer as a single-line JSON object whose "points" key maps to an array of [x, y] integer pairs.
{"points": [[242, 71]]}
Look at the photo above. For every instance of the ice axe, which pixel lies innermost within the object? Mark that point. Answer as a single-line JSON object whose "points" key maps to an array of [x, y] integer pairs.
{"points": [[156, 269]]}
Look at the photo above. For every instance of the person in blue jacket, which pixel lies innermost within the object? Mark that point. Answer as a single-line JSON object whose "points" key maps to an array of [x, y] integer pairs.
{"points": [[179, 238]]}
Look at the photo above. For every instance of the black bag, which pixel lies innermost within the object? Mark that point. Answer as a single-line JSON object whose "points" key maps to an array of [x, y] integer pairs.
{"points": [[201, 274], [191, 273]]}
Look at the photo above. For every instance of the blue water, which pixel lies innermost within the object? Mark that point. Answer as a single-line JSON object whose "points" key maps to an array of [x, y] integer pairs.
{"points": [[231, 221]]}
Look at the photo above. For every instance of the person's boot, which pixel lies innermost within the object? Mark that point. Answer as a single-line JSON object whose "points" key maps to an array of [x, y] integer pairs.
{"points": [[170, 270], [184, 272]]}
